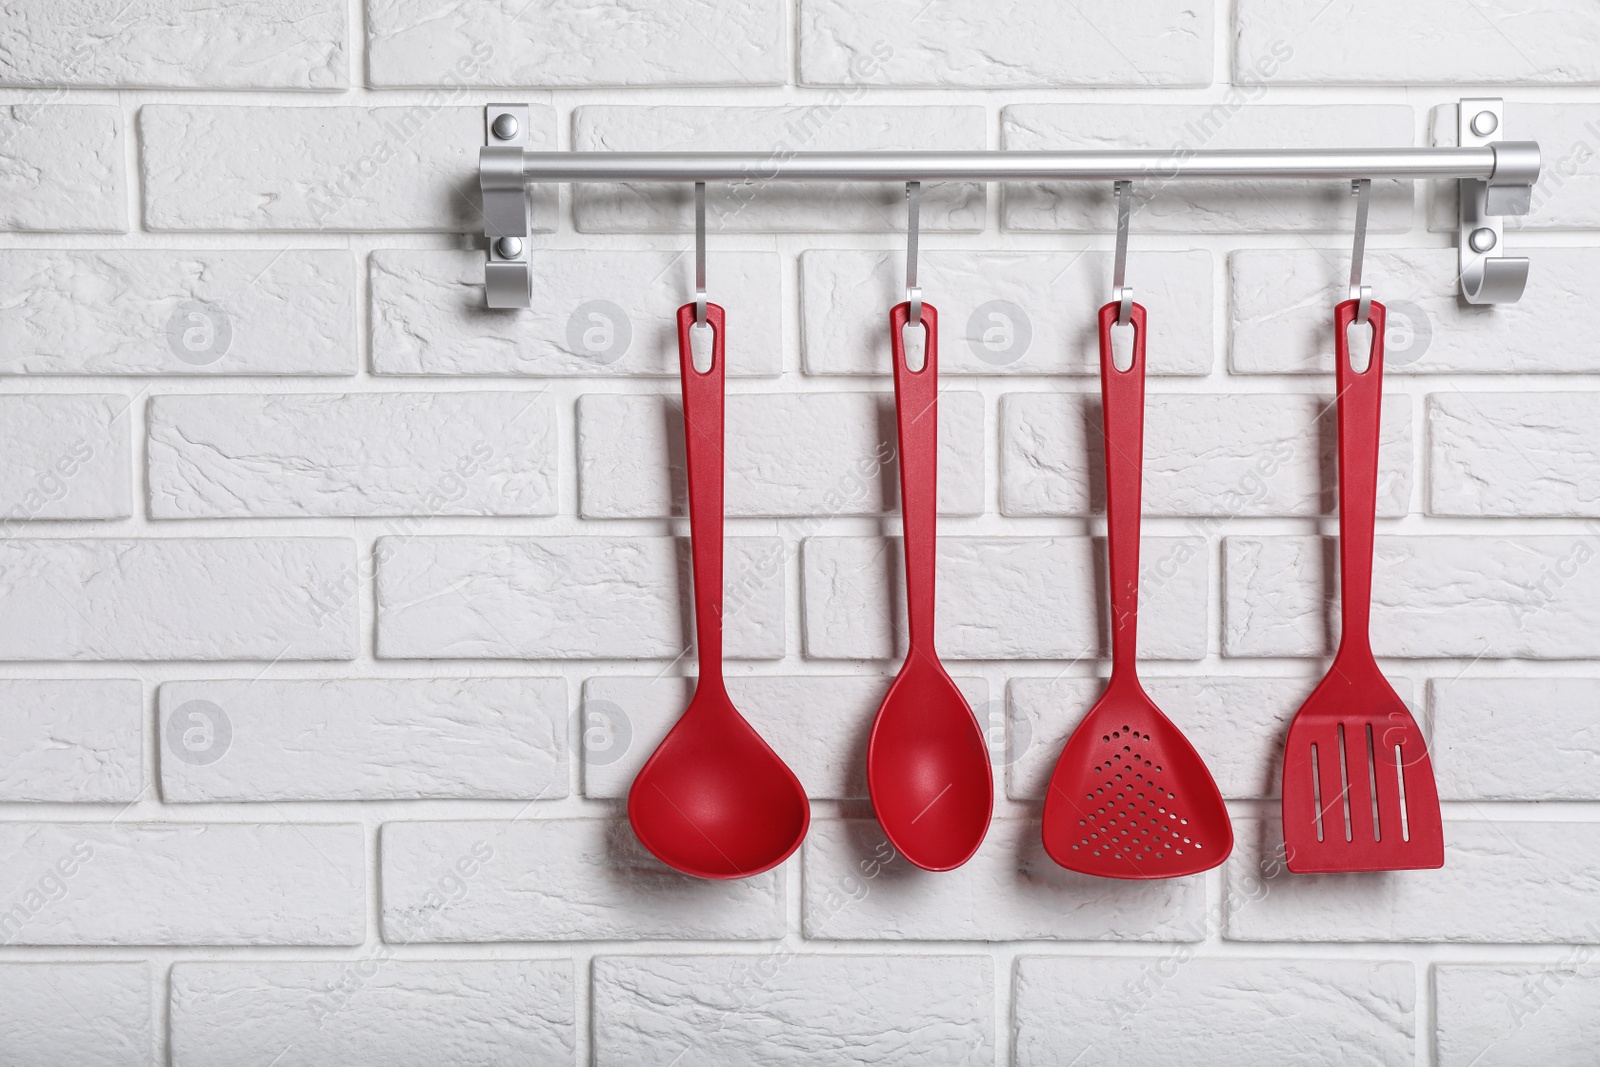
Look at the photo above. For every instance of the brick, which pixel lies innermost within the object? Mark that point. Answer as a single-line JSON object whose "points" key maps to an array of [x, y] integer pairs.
{"points": [[85, 1014], [785, 1010], [757, 206], [557, 880], [322, 168], [1000, 598], [1512, 454], [1245, 1012], [1199, 206], [1526, 43], [1283, 300], [776, 463], [67, 457], [1567, 194], [266, 739], [190, 45], [1506, 1015], [1545, 868], [818, 725], [1472, 596], [428, 316], [857, 889], [1001, 313], [1037, 44], [1217, 456], [148, 311], [413, 42], [422, 454], [61, 167], [264, 598], [182, 884], [71, 740], [373, 1010], [568, 597], [1488, 738]]}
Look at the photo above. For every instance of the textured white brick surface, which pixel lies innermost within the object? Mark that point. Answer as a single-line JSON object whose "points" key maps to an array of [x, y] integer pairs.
{"points": [[1037, 43], [595, 312], [1246, 1012], [62, 167], [1010, 891], [557, 880], [1513, 454], [1281, 318], [70, 740], [1207, 207], [569, 598], [186, 45], [423, 454], [1515, 882], [85, 1014], [321, 168], [66, 457], [90, 883], [1515, 738], [264, 598], [1474, 597], [725, 42], [818, 725], [1001, 598], [775, 461], [1517, 1013], [775, 132], [373, 1012], [137, 311], [1569, 181], [363, 739], [787, 1010], [1218, 456], [1002, 312]]}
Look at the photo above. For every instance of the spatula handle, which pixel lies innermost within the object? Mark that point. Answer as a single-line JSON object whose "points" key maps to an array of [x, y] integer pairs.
{"points": [[1360, 416], [916, 405], [703, 417], [1122, 416]]}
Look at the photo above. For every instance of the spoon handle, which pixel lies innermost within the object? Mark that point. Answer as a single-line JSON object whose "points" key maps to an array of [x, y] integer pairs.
{"points": [[1360, 418], [702, 448], [916, 405], [1122, 417]]}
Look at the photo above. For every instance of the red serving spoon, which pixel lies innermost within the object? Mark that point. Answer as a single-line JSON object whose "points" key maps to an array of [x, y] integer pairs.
{"points": [[1130, 797], [713, 800], [1358, 789], [927, 760]]}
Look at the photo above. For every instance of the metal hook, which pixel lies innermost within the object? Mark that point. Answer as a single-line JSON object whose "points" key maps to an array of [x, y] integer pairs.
{"points": [[913, 293], [1360, 188], [1119, 271], [700, 253]]}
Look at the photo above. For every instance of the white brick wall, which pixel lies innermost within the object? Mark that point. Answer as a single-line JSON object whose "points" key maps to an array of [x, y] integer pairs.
{"points": [[337, 612]]}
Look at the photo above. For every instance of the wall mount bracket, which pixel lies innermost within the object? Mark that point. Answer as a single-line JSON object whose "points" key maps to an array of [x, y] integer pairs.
{"points": [[507, 276], [1488, 276]]}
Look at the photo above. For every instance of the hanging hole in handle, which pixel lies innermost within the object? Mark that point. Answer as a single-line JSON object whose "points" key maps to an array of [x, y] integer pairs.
{"points": [[1122, 337], [914, 337], [702, 339], [1358, 338]]}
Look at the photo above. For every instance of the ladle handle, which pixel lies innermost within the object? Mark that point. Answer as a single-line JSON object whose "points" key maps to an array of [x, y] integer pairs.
{"points": [[1122, 417], [1360, 403], [916, 405], [703, 418]]}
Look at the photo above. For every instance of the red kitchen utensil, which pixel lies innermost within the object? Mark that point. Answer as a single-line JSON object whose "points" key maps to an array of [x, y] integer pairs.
{"points": [[1358, 788], [1130, 797], [927, 760], [713, 800]]}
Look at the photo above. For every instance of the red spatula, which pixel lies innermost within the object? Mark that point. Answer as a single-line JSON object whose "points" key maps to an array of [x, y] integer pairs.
{"points": [[1358, 789], [1130, 797]]}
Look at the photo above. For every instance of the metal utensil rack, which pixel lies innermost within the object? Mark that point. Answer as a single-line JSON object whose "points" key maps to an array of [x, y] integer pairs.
{"points": [[1496, 176]]}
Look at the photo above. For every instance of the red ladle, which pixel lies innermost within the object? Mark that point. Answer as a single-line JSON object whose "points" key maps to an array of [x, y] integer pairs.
{"points": [[713, 800], [927, 760], [1130, 797]]}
